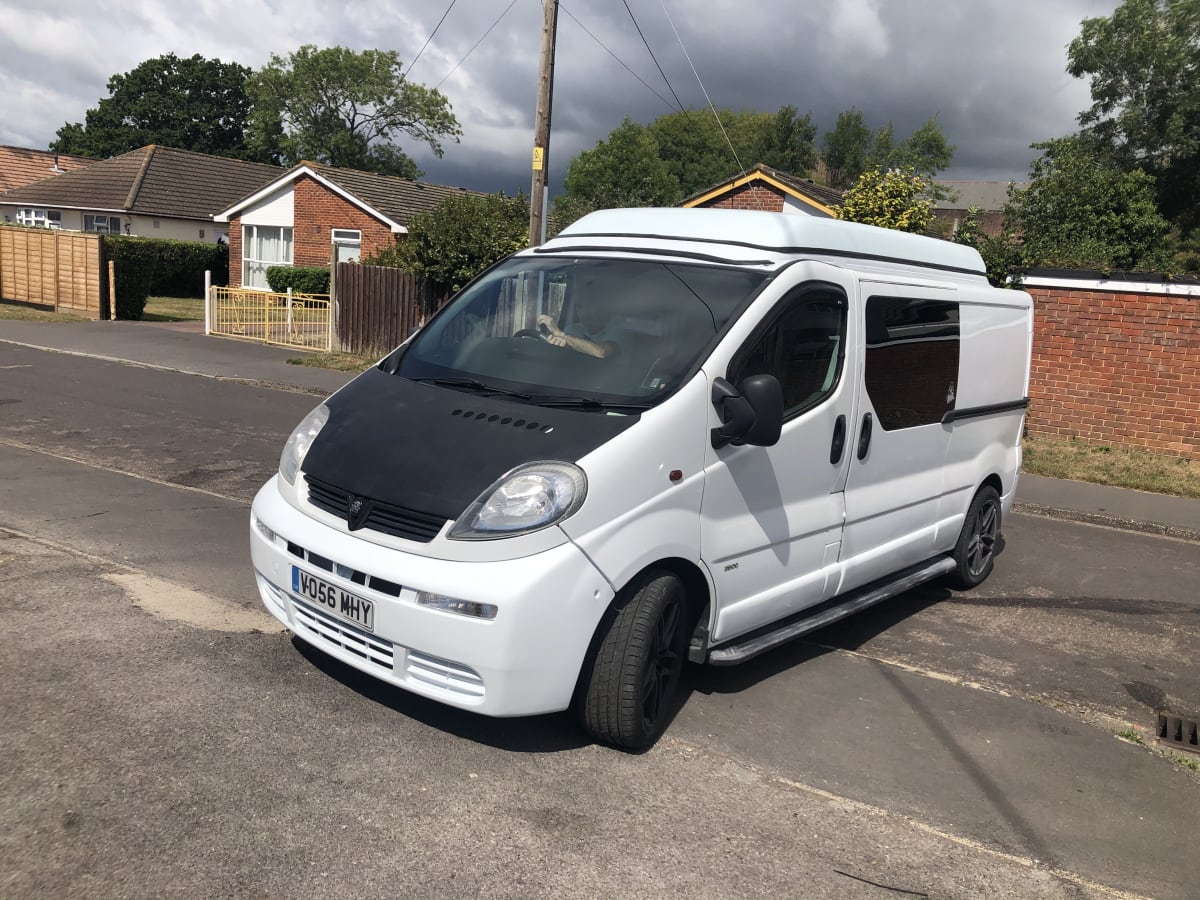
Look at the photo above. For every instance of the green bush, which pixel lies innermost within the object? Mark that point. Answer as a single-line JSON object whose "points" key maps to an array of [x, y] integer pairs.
{"points": [[301, 279], [143, 265]]}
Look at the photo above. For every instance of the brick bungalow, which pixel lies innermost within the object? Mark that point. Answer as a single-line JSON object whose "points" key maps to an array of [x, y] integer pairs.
{"points": [[300, 216], [768, 189], [153, 191]]}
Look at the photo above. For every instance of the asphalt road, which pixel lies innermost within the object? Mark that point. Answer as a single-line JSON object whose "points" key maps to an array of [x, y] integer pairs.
{"points": [[161, 737]]}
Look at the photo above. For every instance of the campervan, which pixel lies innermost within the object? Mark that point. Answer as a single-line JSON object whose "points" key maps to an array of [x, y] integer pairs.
{"points": [[664, 435]]}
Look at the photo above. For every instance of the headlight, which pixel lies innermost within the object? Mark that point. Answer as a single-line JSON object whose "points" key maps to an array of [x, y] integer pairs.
{"points": [[297, 445], [529, 497]]}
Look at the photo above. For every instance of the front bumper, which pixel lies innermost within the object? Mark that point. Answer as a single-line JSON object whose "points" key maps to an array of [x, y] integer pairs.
{"points": [[525, 661]]}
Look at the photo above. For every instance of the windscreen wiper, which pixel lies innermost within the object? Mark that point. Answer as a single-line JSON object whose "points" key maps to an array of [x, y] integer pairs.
{"points": [[472, 384], [568, 402]]}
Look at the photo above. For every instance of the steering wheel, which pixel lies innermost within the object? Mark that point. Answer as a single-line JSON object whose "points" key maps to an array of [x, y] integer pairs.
{"points": [[530, 333]]}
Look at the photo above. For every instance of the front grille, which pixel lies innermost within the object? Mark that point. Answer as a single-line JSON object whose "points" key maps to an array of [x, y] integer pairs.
{"points": [[386, 518], [442, 673], [329, 630]]}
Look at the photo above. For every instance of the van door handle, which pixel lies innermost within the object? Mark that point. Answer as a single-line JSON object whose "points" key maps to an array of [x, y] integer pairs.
{"points": [[864, 437], [839, 441]]}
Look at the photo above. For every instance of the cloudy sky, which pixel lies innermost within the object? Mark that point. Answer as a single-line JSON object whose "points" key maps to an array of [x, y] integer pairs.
{"points": [[993, 71]]}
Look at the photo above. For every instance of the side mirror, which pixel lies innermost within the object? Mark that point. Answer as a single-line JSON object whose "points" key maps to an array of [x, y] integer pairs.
{"points": [[751, 413]]}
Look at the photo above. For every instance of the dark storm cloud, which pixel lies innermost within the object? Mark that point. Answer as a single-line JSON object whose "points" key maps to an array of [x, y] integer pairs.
{"points": [[991, 70]]}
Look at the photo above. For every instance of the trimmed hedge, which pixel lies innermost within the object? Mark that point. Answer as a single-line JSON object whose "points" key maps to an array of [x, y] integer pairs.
{"points": [[301, 279], [147, 265]]}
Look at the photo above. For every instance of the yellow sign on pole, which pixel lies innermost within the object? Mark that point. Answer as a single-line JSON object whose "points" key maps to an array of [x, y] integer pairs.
{"points": [[539, 154]]}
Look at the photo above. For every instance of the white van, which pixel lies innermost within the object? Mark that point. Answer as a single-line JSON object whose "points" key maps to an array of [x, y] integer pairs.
{"points": [[664, 433]]}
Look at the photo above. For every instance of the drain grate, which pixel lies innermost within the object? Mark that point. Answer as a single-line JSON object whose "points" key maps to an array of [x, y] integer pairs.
{"points": [[1177, 731]]}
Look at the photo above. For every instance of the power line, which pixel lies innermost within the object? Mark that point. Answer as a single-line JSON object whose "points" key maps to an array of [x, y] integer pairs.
{"points": [[701, 83], [653, 57], [476, 44], [614, 56], [413, 64]]}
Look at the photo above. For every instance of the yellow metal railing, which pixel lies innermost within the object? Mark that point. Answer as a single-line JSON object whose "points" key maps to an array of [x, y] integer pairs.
{"points": [[289, 320]]}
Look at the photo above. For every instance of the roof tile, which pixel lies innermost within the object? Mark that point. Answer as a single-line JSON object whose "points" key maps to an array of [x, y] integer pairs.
{"points": [[151, 181]]}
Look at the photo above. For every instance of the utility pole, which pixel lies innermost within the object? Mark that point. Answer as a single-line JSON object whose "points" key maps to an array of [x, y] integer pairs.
{"points": [[541, 128]]}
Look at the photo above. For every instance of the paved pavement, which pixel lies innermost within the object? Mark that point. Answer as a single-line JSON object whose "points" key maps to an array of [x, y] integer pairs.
{"points": [[183, 347]]}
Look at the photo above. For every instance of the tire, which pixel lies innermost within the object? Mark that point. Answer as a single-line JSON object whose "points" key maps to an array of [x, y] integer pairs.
{"points": [[975, 553], [629, 692]]}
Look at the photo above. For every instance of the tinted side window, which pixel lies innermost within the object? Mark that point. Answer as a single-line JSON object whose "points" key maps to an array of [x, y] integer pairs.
{"points": [[803, 346], [912, 360]]}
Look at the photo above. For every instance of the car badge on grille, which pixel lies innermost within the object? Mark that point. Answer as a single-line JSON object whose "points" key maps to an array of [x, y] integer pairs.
{"points": [[357, 512]]}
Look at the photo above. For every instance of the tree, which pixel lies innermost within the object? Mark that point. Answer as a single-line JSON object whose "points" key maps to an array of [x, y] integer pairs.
{"points": [[694, 149], [1144, 65], [190, 104], [1081, 210], [345, 108], [847, 147], [786, 141], [460, 237], [1001, 253], [701, 149], [624, 170], [851, 148], [895, 198], [926, 150]]}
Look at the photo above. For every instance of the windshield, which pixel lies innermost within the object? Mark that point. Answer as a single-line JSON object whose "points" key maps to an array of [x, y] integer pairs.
{"points": [[584, 331]]}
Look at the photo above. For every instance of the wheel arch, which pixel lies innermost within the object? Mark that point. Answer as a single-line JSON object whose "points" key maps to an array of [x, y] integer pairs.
{"points": [[696, 588], [994, 481]]}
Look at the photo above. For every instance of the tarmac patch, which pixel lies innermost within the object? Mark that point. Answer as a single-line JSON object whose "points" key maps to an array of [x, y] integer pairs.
{"points": [[166, 600]]}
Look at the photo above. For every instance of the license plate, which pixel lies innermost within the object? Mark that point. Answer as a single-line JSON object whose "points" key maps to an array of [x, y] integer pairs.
{"points": [[332, 599]]}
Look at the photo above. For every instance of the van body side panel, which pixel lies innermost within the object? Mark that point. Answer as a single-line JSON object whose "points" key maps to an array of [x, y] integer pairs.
{"points": [[994, 371], [634, 513]]}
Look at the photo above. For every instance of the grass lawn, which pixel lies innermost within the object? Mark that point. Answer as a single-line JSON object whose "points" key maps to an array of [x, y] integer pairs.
{"points": [[173, 309], [1143, 470], [35, 314]]}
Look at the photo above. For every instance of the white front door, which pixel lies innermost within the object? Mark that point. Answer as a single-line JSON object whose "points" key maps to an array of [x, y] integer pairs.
{"points": [[772, 517]]}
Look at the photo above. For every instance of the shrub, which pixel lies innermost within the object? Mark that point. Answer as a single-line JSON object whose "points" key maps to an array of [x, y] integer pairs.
{"points": [[142, 265], [301, 279]]}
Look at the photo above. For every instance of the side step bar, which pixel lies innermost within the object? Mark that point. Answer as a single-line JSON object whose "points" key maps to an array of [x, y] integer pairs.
{"points": [[828, 613]]}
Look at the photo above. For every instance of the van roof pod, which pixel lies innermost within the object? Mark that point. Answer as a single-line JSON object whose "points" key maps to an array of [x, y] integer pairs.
{"points": [[778, 234]]}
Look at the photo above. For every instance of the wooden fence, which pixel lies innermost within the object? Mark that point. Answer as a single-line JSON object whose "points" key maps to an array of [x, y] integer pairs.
{"points": [[62, 269], [379, 307]]}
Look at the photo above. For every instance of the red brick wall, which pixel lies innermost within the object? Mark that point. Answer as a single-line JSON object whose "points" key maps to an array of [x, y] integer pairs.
{"points": [[318, 210], [1115, 368], [235, 252], [751, 196]]}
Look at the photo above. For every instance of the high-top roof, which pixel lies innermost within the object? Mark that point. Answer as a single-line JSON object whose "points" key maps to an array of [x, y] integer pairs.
{"points": [[150, 181], [759, 238], [20, 166]]}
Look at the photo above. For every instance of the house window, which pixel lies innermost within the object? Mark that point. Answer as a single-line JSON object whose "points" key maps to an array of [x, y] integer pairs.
{"points": [[264, 246], [40, 218], [348, 242], [102, 224]]}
